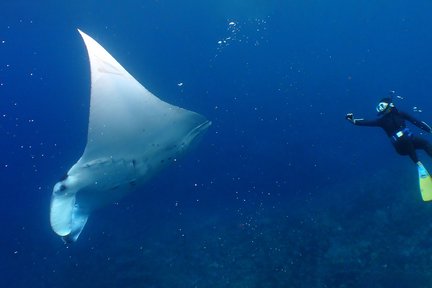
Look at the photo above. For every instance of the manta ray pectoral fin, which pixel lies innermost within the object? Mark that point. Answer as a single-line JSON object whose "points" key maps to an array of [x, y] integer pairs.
{"points": [[67, 219]]}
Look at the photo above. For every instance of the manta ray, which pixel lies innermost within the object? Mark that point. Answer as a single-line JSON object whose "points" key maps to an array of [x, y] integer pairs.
{"points": [[132, 135]]}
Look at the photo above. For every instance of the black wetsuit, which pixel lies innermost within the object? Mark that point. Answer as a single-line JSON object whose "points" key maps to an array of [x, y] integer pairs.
{"points": [[403, 140]]}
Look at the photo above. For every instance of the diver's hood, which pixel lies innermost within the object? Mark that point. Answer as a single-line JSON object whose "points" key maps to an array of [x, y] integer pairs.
{"points": [[384, 106]]}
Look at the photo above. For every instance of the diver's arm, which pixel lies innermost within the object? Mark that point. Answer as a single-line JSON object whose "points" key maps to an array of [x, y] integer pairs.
{"points": [[421, 124], [361, 121]]}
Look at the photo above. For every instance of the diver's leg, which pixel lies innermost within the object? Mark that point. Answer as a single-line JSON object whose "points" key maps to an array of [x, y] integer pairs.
{"points": [[406, 148], [420, 143], [413, 155]]}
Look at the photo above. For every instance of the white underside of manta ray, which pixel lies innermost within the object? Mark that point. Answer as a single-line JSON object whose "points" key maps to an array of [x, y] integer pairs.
{"points": [[132, 134]]}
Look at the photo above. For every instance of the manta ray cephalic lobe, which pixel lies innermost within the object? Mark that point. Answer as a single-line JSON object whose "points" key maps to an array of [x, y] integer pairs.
{"points": [[132, 135]]}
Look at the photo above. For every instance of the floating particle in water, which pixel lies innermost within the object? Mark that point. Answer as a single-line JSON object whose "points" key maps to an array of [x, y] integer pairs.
{"points": [[417, 109], [180, 84], [399, 97], [250, 32], [232, 31]]}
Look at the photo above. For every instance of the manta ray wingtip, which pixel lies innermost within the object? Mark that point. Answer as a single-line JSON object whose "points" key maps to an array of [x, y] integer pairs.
{"points": [[81, 32]]}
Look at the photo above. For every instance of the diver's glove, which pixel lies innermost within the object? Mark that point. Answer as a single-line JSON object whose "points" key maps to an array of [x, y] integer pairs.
{"points": [[350, 117]]}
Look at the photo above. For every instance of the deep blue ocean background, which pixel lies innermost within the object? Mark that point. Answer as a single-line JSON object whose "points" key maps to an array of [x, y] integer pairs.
{"points": [[281, 191]]}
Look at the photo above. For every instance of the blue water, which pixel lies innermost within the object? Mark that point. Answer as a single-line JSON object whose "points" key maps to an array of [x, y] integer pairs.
{"points": [[281, 192]]}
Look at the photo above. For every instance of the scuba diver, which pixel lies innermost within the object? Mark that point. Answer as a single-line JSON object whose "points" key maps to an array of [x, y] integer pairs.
{"points": [[393, 122], [404, 141]]}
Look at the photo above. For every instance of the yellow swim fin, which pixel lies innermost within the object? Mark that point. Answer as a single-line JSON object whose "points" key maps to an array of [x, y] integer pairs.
{"points": [[425, 182]]}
